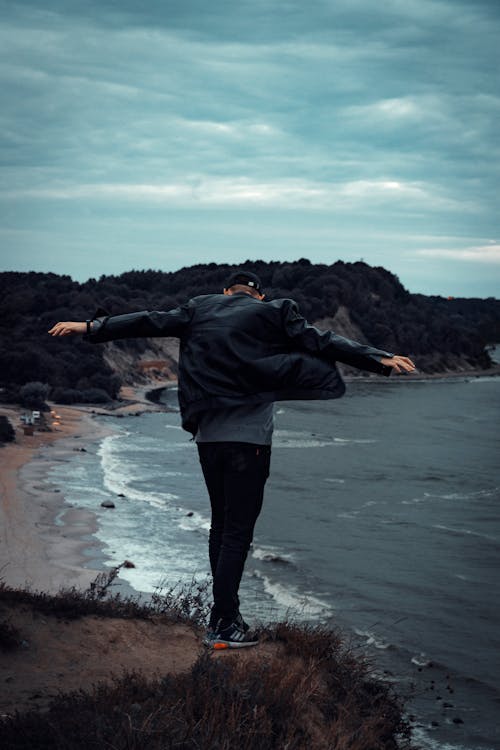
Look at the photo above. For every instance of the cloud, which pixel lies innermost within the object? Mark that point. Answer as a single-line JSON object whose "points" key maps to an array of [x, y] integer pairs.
{"points": [[480, 254], [198, 190], [345, 119], [399, 110]]}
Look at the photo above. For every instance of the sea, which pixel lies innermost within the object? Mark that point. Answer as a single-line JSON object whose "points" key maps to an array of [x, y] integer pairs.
{"points": [[381, 517]]}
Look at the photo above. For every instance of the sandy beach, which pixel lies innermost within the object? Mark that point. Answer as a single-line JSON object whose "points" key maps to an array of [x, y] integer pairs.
{"points": [[45, 543], [42, 539]]}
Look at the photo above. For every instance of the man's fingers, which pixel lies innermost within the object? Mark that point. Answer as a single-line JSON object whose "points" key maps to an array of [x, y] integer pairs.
{"points": [[68, 327], [405, 363], [408, 361], [62, 329], [399, 363]]}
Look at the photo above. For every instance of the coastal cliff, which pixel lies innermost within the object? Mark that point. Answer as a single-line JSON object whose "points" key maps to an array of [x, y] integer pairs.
{"points": [[158, 362], [86, 669], [369, 304]]}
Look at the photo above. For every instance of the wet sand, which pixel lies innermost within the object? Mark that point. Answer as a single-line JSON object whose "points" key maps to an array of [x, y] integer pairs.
{"points": [[42, 539], [45, 543]]}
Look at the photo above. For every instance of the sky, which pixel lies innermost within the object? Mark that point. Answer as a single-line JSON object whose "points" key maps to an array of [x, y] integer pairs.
{"points": [[166, 133]]}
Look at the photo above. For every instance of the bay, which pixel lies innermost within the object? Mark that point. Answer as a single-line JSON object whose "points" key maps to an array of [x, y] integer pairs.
{"points": [[380, 516]]}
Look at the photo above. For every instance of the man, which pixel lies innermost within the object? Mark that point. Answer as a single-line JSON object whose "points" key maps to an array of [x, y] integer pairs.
{"points": [[237, 357]]}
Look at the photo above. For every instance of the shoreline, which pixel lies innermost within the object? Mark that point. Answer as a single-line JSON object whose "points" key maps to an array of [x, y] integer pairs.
{"points": [[47, 544], [420, 377], [44, 540]]}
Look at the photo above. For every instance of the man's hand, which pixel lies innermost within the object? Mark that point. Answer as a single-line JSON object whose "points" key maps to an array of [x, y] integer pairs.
{"points": [[68, 329], [399, 364]]}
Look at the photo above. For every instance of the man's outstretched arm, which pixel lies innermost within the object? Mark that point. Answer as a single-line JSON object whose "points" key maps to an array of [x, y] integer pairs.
{"points": [[131, 325], [332, 347]]}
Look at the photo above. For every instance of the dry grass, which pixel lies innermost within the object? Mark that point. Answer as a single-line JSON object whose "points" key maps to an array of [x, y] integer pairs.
{"points": [[187, 603], [303, 688]]}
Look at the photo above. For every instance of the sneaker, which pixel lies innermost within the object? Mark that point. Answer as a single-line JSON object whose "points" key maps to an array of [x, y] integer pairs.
{"points": [[211, 632], [234, 636], [241, 623]]}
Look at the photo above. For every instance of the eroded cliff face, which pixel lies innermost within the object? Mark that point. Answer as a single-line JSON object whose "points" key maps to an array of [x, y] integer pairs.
{"points": [[432, 363], [342, 324], [157, 359], [158, 362]]}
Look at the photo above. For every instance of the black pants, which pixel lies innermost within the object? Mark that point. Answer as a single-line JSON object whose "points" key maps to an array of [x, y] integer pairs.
{"points": [[235, 475]]}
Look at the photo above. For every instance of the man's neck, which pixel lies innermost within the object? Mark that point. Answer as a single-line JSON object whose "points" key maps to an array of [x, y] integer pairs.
{"points": [[240, 291]]}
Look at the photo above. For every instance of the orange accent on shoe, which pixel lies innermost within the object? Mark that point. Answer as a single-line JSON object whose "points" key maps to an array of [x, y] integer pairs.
{"points": [[220, 645]]}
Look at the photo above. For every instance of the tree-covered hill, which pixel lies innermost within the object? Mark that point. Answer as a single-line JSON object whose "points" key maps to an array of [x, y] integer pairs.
{"points": [[367, 303]]}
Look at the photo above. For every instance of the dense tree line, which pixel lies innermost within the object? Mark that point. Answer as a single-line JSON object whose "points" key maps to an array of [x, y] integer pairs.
{"points": [[435, 330]]}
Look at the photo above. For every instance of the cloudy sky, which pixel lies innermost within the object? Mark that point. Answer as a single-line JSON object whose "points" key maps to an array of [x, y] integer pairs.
{"points": [[171, 132]]}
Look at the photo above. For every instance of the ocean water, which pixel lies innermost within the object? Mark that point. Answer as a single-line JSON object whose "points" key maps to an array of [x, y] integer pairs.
{"points": [[381, 516]]}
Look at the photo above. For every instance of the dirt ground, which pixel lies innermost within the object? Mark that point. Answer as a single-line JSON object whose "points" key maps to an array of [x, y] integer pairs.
{"points": [[58, 655]]}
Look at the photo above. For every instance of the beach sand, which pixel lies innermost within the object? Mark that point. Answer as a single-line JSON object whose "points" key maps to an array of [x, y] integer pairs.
{"points": [[45, 544], [42, 539]]}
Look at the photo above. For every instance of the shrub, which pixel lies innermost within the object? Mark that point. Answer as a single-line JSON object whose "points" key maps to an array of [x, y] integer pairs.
{"points": [[33, 395], [95, 396], [67, 396], [78, 396], [7, 433]]}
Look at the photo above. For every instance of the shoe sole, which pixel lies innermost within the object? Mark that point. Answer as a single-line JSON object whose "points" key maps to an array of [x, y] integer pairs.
{"points": [[210, 641], [221, 645]]}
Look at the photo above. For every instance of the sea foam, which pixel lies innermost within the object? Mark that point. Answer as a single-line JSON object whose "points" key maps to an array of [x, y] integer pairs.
{"points": [[295, 603]]}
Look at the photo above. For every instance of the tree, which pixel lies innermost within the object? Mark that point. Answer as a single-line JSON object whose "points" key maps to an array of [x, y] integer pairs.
{"points": [[33, 395]]}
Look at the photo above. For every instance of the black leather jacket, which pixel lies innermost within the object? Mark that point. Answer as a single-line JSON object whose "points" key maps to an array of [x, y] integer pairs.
{"points": [[236, 349]]}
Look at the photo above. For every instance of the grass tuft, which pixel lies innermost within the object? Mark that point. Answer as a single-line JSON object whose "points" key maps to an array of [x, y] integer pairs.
{"points": [[179, 603]]}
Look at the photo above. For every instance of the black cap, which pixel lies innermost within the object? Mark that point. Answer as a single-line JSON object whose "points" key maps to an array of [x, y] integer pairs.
{"points": [[244, 277]]}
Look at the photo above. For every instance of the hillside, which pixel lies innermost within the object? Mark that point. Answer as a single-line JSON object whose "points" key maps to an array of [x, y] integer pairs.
{"points": [[87, 670], [358, 301]]}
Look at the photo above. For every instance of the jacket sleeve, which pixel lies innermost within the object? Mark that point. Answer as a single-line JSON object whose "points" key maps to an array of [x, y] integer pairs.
{"points": [[329, 346], [141, 324]]}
